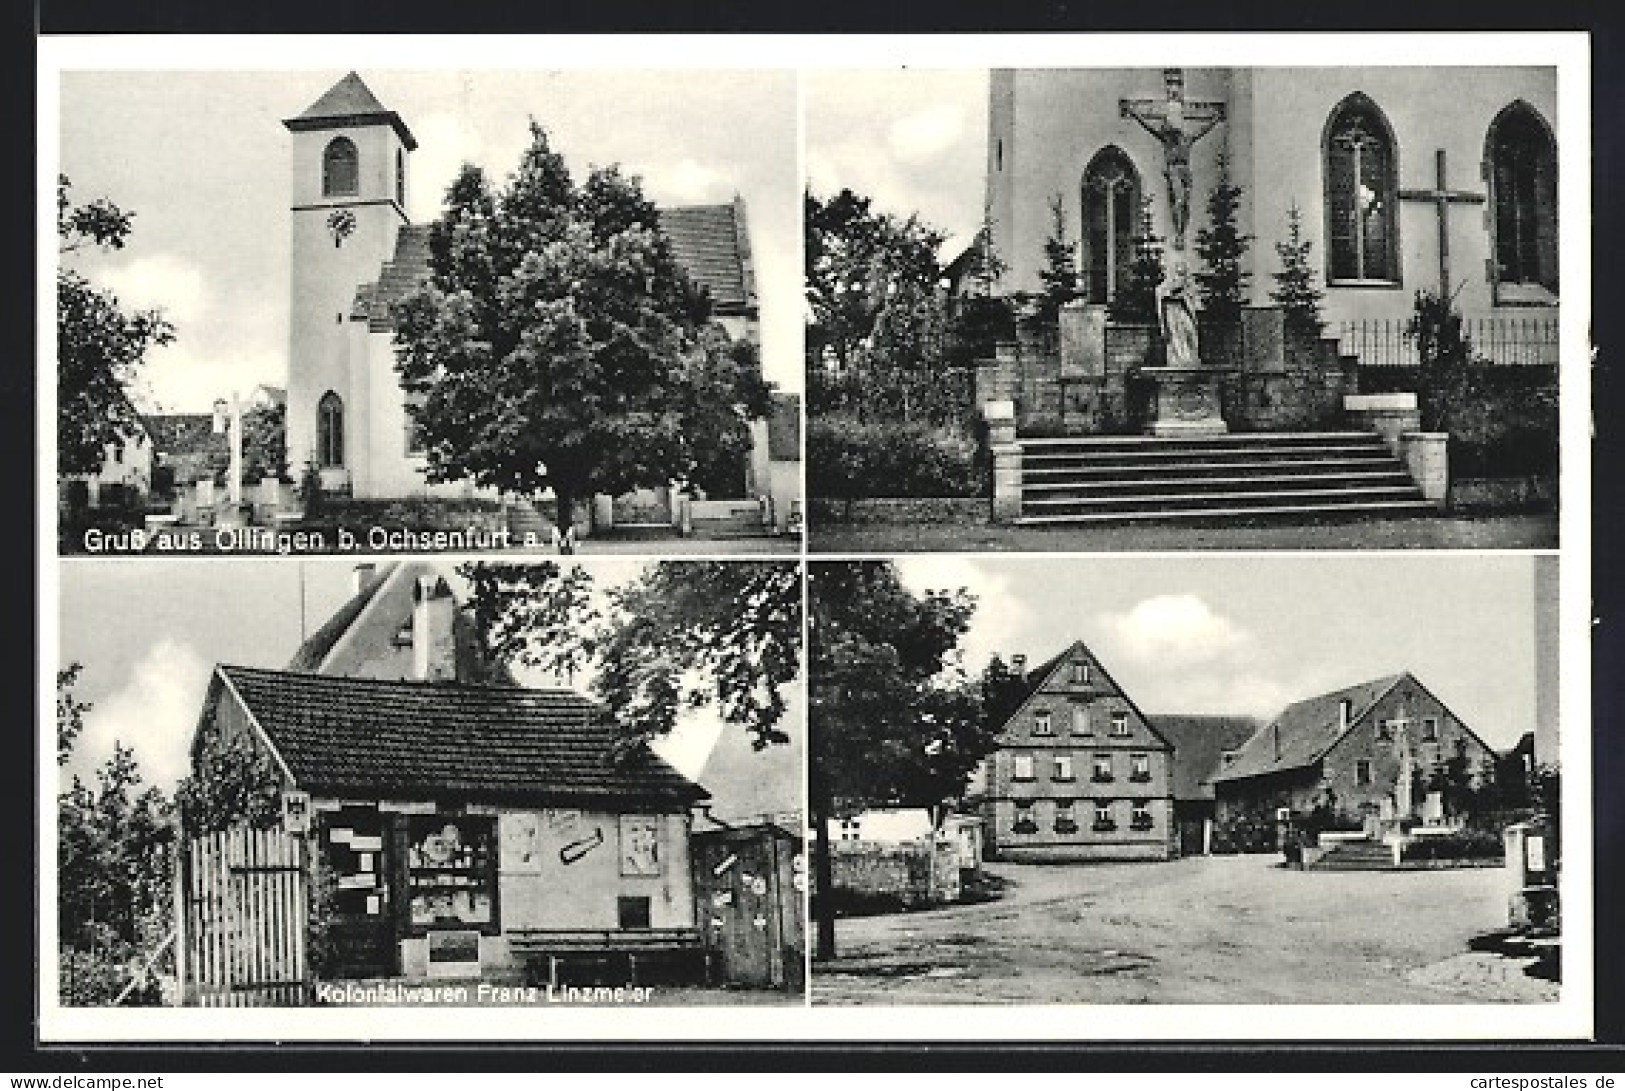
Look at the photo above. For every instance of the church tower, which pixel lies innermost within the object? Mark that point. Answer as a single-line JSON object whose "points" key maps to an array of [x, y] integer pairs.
{"points": [[348, 201]]}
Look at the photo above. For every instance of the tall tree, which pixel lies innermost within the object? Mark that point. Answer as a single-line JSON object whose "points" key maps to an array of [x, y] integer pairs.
{"points": [[1137, 301], [1295, 289], [1059, 273], [886, 726], [99, 346], [559, 345], [1223, 250]]}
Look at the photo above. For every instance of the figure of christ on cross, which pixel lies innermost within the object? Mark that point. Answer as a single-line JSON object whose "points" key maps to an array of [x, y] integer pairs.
{"points": [[1167, 121]]}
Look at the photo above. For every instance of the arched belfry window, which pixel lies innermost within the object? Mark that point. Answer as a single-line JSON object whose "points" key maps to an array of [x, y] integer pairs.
{"points": [[341, 168], [1111, 210], [1523, 181], [330, 430], [1361, 178]]}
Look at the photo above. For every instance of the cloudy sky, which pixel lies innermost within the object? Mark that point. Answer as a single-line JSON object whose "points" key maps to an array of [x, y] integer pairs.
{"points": [[1223, 633], [148, 634], [914, 140], [201, 158]]}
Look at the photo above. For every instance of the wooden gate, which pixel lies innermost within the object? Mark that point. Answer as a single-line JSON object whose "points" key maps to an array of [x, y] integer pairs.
{"points": [[242, 904]]}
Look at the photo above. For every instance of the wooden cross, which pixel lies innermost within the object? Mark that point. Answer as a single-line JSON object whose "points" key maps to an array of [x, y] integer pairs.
{"points": [[1442, 197]]}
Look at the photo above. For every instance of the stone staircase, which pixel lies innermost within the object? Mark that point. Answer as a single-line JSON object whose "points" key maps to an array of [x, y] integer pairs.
{"points": [[523, 519], [1355, 856], [1105, 479]]}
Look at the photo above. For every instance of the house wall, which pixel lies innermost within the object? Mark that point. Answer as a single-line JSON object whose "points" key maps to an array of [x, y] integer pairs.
{"points": [[1047, 124], [1100, 696]]}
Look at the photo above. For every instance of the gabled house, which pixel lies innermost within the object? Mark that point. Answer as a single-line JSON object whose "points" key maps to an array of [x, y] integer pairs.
{"points": [[1201, 744], [1079, 772], [1361, 757]]}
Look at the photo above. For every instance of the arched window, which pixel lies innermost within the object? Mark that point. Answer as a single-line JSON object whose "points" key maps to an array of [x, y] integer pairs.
{"points": [[1523, 182], [400, 177], [1111, 208], [1361, 182], [330, 430], [341, 168]]}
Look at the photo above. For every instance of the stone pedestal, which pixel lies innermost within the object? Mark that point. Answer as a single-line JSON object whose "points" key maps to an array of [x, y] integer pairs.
{"points": [[1187, 401], [1001, 436]]}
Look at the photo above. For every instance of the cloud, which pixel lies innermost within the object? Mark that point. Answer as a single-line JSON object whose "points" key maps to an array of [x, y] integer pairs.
{"points": [[1175, 631], [161, 280], [153, 713], [924, 134]]}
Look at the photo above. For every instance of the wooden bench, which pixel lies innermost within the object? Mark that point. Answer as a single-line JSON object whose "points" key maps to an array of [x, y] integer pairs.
{"points": [[610, 950]]}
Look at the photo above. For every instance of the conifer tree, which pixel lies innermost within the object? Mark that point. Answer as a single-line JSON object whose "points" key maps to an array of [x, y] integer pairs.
{"points": [[1223, 249], [1295, 289], [1137, 301], [1059, 273]]}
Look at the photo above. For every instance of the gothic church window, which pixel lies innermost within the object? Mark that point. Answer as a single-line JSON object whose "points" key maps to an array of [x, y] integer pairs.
{"points": [[330, 430], [1111, 207], [341, 168], [1361, 179], [1523, 174]]}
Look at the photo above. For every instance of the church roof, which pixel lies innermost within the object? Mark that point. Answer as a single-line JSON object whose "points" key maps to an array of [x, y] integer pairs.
{"points": [[1302, 734], [400, 276], [1199, 745], [710, 242], [384, 739], [350, 102]]}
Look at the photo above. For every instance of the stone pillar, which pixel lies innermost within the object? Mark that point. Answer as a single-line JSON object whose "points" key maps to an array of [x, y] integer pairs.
{"points": [[1391, 416], [1001, 438], [1083, 340], [603, 512], [1426, 456]]}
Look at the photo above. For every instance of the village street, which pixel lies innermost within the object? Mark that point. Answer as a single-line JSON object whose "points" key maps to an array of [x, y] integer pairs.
{"points": [[1203, 930]]}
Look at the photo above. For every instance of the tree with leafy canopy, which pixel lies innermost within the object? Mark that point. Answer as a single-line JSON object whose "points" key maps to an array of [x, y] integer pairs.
{"points": [[1295, 289], [1059, 273], [890, 722], [1136, 302], [113, 865], [99, 346], [682, 635], [558, 344], [1223, 250]]}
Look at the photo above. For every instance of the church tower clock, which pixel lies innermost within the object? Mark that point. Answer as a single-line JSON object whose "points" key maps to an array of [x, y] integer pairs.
{"points": [[348, 199]]}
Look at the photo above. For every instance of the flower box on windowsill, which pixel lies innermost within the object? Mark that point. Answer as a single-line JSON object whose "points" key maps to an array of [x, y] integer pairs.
{"points": [[1104, 827], [1065, 825], [1024, 825], [1102, 778], [1140, 824], [1140, 778]]}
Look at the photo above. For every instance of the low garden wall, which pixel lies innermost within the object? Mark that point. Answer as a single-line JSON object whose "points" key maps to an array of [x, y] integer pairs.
{"points": [[909, 875], [911, 510]]}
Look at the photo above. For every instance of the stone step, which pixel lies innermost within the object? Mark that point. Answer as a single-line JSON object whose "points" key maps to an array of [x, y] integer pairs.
{"points": [[1165, 455], [1388, 476], [1221, 498], [1267, 511], [1222, 441], [1057, 471]]}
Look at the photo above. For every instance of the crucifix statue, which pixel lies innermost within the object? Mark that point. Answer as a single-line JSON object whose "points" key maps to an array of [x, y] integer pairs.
{"points": [[1177, 125]]}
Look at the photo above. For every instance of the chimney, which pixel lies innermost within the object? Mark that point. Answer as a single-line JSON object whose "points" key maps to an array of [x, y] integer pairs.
{"points": [[434, 649], [1018, 664], [361, 577], [1343, 708]]}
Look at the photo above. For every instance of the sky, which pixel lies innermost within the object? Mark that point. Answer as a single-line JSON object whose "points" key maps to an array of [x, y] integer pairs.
{"points": [[912, 140], [202, 160], [148, 633], [1249, 635]]}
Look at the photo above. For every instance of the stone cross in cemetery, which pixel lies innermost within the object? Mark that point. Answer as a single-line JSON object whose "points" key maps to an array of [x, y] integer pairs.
{"points": [[1441, 196], [1177, 125]]}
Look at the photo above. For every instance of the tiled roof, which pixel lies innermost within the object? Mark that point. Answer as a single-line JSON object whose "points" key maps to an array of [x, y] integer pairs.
{"points": [[350, 102], [1304, 731], [316, 648], [784, 429], [711, 244], [1199, 744], [372, 739], [400, 276]]}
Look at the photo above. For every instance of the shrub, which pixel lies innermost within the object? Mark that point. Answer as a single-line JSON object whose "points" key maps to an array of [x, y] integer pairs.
{"points": [[1465, 845], [850, 459]]}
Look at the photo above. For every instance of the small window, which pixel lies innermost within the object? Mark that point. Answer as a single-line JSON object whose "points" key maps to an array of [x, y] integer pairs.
{"points": [[400, 177], [341, 168], [1103, 816], [1065, 821], [1024, 817], [1362, 773], [1385, 731], [416, 442], [1041, 723], [1080, 720], [1023, 767], [632, 912], [1119, 723], [1227, 758], [1063, 767], [1103, 768], [1080, 673], [330, 430], [1140, 767], [1140, 818], [1430, 729]]}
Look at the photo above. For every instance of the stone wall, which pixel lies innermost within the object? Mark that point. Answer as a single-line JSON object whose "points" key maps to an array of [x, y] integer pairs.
{"points": [[914, 873], [901, 511]]}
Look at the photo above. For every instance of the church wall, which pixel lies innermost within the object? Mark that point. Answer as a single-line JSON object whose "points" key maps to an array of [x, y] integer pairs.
{"points": [[1427, 109]]}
